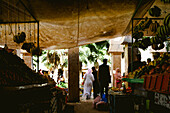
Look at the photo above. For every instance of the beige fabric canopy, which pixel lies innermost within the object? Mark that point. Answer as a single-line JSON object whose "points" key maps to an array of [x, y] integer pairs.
{"points": [[70, 23]]}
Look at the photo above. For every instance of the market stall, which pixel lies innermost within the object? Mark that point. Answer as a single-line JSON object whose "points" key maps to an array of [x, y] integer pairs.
{"points": [[24, 90], [148, 86]]}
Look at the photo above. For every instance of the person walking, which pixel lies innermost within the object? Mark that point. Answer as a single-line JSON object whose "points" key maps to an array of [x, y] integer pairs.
{"points": [[88, 83], [104, 78], [95, 83]]}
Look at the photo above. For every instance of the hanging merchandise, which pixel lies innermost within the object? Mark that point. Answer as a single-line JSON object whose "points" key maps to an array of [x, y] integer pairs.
{"points": [[28, 46], [161, 32], [35, 51], [155, 11], [153, 26], [20, 37]]}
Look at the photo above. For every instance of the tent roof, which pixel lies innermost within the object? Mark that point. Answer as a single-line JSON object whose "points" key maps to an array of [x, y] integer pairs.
{"points": [[68, 23]]}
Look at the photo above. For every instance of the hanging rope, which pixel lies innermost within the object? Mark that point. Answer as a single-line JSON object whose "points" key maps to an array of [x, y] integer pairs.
{"points": [[18, 23], [78, 11], [9, 25], [24, 23], [5, 35], [15, 29], [16, 20], [8, 19], [34, 33], [30, 32]]}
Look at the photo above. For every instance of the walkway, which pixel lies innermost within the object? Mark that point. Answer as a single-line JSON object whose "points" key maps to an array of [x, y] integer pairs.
{"points": [[85, 106]]}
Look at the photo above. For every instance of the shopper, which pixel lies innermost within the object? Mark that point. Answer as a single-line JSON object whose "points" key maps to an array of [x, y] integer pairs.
{"points": [[118, 78], [148, 60], [95, 83], [88, 83], [104, 78], [60, 76], [136, 64]]}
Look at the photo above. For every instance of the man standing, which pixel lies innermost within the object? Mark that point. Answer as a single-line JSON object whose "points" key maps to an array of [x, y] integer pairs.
{"points": [[104, 77]]}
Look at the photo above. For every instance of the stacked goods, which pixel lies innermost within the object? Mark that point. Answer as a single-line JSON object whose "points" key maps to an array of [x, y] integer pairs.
{"points": [[14, 72], [160, 65]]}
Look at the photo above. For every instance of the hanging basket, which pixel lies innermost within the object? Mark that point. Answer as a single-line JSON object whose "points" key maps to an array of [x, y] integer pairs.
{"points": [[20, 38], [28, 46]]}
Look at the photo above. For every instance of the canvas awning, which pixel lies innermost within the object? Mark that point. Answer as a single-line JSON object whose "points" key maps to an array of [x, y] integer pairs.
{"points": [[68, 23]]}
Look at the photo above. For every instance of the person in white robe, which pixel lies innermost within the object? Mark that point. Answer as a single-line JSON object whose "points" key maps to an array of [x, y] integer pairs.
{"points": [[89, 78]]}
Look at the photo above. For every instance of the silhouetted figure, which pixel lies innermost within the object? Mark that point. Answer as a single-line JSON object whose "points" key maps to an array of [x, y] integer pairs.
{"points": [[148, 60], [95, 83], [104, 78], [60, 76]]}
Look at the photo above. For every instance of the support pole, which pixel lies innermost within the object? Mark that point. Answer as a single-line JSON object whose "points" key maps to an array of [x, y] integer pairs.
{"points": [[132, 49], [37, 45], [28, 10], [73, 70]]}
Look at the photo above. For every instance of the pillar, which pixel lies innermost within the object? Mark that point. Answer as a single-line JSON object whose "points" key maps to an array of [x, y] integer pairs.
{"points": [[73, 70], [112, 76], [116, 63], [126, 59]]}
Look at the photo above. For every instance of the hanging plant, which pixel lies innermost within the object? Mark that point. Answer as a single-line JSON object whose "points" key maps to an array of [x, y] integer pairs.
{"points": [[19, 38]]}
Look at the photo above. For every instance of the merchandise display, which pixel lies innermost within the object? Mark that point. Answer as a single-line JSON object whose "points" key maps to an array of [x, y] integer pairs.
{"points": [[14, 72]]}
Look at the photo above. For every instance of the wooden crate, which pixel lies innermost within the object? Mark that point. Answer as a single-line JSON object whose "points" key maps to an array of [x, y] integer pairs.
{"points": [[153, 82], [159, 82]]}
